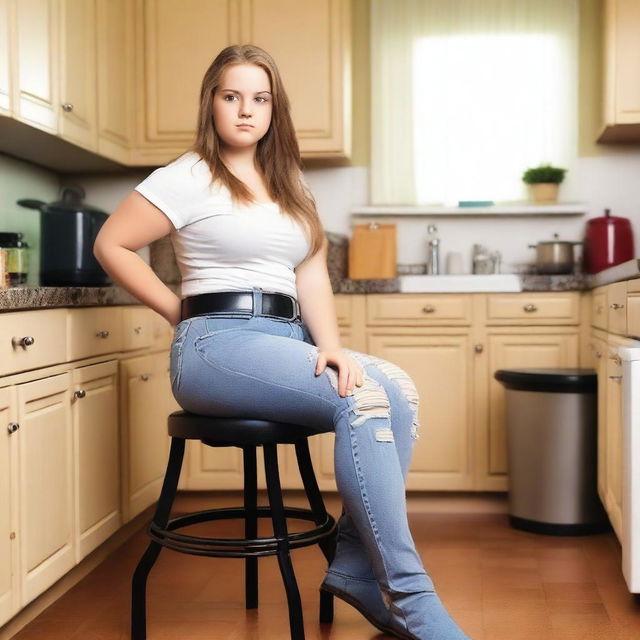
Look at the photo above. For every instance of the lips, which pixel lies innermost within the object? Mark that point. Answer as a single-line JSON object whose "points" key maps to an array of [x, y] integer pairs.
{"points": [[244, 125]]}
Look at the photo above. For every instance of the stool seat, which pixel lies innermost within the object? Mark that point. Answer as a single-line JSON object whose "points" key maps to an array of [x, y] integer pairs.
{"points": [[237, 432]]}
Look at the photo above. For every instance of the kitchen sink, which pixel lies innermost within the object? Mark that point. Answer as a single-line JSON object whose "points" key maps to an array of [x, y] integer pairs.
{"points": [[462, 282]]}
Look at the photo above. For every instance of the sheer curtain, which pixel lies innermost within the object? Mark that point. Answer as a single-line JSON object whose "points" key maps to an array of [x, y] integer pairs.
{"points": [[466, 94]]}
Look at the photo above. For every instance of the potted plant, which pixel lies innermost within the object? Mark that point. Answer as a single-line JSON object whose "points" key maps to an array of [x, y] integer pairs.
{"points": [[544, 182]]}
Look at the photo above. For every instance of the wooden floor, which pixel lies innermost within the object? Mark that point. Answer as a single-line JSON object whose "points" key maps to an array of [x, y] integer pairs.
{"points": [[497, 582]]}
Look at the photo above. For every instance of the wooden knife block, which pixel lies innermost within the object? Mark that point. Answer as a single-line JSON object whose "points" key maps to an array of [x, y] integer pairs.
{"points": [[372, 251]]}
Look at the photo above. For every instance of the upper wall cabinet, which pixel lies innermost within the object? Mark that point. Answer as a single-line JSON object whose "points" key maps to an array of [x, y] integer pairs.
{"points": [[5, 60], [115, 55], [179, 40], [318, 82], [621, 107], [36, 50], [314, 60], [78, 72]]}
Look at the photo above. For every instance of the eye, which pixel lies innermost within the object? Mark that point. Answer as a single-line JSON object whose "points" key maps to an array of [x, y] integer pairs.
{"points": [[229, 95], [262, 99]]}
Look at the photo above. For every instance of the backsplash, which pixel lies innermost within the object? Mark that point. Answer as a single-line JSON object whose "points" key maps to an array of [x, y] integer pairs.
{"points": [[19, 179]]}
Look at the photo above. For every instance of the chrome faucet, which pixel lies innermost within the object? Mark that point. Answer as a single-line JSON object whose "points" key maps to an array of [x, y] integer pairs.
{"points": [[433, 251]]}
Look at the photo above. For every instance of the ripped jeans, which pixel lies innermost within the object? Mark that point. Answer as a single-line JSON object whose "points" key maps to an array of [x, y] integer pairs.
{"points": [[239, 364]]}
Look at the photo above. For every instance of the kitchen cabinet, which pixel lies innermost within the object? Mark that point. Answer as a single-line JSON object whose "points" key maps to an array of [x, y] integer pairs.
{"points": [[96, 458], [60, 451], [115, 66], [440, 362], [168, 91], [318, 82], [9, 567], [146, 401], [621, 65], [78, 105], [45, 486], [6, 23], [37, 70]]}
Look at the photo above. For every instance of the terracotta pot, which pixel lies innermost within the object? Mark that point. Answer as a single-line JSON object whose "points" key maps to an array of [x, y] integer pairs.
{"points": [[544, 192]]}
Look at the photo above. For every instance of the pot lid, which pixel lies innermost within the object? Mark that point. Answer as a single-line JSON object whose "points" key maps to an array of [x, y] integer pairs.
{"points": [[72, 200]]}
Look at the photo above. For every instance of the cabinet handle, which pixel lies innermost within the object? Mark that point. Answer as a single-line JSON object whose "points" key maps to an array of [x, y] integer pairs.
{"points": [[429, 308], [598, 354], [145, 376], [618, 378], [616, 359], [67, 106], [137, 329], [478, 348], [615, 305], [12, 427], [80, 393], [530, 308], [25, 342], [102, 334]]}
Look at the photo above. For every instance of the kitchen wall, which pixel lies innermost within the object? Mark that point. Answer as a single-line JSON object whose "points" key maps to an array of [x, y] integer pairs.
{"points": [[605, 176], [20, 179]]}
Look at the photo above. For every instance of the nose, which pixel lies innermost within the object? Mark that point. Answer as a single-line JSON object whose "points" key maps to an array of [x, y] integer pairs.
{"points": [[245, 110]]}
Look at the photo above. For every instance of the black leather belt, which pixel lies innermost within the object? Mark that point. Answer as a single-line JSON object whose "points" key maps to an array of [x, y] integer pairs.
{"points": [[278, 305]]}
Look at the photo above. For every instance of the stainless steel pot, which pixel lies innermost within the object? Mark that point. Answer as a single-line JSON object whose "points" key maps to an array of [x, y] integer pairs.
{"points": [[554, 256]]}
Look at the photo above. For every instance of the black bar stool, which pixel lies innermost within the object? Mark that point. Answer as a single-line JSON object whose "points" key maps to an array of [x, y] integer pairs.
{"points": [[247, 434]]}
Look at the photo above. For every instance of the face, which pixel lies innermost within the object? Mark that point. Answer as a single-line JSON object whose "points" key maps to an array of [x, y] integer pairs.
{"points": [[243, 98]]}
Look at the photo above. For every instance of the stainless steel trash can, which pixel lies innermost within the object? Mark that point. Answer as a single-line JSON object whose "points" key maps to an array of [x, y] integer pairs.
{"points": [[552, 443]]}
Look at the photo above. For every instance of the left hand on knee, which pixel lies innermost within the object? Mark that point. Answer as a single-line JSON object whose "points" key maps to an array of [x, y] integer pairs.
{"points": [[350, 373]]}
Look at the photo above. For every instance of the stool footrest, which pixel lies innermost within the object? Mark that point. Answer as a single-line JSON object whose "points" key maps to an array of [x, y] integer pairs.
{"points": [[237, 547]]}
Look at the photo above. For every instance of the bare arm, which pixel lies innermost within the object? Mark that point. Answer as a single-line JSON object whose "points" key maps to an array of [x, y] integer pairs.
{"points": [[315, 297], [133, 225]]}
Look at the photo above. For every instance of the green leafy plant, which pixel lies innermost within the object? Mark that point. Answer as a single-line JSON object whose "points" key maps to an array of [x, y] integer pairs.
{"points": [[544, 173]]}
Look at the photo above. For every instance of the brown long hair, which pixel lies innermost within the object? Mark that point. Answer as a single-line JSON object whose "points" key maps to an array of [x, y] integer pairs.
{"points": [[277, 152]]}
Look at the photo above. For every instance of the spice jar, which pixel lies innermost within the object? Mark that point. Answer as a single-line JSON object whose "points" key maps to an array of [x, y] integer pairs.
{"points": [[16, 258]]}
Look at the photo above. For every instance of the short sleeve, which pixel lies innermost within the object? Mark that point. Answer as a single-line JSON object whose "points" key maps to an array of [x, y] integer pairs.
{"points": [[175, 189]]}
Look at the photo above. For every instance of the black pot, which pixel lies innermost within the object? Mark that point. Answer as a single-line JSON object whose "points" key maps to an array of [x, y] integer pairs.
{"points": [[68, 229]]}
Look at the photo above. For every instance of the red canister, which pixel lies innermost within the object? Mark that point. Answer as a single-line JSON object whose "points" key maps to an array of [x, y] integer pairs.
{"points": [[608, 241]]}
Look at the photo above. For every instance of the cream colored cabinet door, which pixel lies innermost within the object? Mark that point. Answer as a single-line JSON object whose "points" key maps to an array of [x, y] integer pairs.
{"points": [[621, 106], [311, 44], [6, 72], [115, 55], [440, 363], [78, 115], [168, 88], [512, 349], [143, 423], [9, 568], [36, 49], [613, 496], [46, 528], [97, 455], [599, 352]]}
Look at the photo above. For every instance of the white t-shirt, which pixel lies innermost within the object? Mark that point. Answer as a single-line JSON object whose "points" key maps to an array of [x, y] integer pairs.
{"points": [[220, 246]]}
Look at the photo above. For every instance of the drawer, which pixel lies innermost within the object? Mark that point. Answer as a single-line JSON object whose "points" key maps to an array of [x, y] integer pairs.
{"points": [[32, 339], [599, 311], [421, 309], [94, 331], [633, 314], [617, 308], [137, 327], [534, 308]]}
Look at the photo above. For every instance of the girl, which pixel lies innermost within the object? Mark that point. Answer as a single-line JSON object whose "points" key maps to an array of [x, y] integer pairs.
{"points": [[256, 331]]}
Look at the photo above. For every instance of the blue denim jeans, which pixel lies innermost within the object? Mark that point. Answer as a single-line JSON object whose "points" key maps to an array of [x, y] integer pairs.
{"points": [[239, 364]]}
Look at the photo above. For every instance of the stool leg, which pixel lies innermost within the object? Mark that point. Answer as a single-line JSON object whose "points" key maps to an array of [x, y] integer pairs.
{"points": [[161, 517], [250, 525], [328, 545], [280, 532]]}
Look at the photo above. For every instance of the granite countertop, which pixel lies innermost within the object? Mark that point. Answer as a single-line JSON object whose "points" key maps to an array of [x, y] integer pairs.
{"points": [[162, 261]]}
